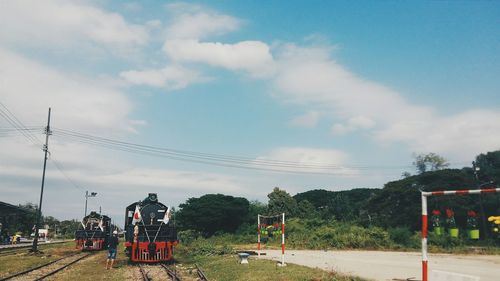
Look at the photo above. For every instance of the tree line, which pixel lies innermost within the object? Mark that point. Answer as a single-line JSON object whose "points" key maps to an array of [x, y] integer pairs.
{"points": [[397, 204]]}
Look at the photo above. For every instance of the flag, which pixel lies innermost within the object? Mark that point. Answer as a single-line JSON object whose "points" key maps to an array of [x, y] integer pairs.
{"points": [[101, 224], [137, 215], [166, 219]]}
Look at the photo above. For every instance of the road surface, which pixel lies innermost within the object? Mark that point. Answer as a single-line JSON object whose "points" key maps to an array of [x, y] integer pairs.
{"points": [[380, 265]]}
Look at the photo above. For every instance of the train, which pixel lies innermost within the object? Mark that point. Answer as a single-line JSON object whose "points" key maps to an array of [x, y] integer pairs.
{"points": [[94, 232], [150, 233]]}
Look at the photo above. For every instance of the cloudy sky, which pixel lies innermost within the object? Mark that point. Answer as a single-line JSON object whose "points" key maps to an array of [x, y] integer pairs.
{"points": [[237, 97]]}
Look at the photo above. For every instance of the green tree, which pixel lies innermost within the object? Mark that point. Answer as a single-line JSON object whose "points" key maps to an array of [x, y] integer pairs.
{"points": [[280, 201], [306, 210], [213, 213], [67, 228], [489, 165], [429, 162]]}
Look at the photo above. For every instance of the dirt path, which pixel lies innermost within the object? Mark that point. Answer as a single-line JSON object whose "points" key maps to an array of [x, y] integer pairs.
{"points": [[384, 266]]}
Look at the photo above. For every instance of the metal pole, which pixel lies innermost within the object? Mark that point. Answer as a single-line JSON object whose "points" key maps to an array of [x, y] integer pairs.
{"points": [[258, 235], [86, 198], [34, 248], [283, 241], [424, 237]]}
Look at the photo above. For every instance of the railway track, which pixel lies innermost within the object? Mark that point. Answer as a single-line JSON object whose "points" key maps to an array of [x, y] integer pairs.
{"points": [[45, 270], [172, 274], [158, 272], [6, 248], [144, 274], [201, 274]]}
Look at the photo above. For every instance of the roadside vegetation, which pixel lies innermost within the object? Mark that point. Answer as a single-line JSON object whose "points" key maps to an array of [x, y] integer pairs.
{"points": [[217, 257], [365, 218]]}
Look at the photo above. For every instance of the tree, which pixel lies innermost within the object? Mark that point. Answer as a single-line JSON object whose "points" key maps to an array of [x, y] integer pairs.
{"points": [[429, 162], [280, 201], [489, 166], [212, 213], [306, 210]]}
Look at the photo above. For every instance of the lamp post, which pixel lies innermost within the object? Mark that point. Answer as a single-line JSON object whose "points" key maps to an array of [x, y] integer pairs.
{"points": [[92, 194]]}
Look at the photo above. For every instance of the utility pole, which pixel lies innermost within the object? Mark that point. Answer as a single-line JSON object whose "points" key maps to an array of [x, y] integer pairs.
{"points": [[34, 248]]}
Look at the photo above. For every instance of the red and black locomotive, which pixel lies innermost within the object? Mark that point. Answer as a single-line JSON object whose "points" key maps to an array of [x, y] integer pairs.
{"points": [[94, 233], [150, 233]]}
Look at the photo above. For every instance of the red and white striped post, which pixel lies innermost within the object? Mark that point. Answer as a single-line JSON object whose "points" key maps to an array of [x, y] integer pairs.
{"points": [[283, 241], [258, 235], [425, 220]]}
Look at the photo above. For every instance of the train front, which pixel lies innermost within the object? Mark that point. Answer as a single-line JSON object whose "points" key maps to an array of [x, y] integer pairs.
{"points": [[150, 232], [94, 233]]}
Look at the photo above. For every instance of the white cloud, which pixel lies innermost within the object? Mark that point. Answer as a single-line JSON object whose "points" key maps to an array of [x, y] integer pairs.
{"points": [[353, 124], [197, 22], [187, 38], [251, 56], [309, 160], [30, 88], [171, 77], [308, 76], [307, 120], [56, 23]]}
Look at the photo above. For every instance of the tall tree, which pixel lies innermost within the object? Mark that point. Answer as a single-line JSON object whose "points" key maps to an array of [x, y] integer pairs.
{"points": [[489, 165], [212, 213], [429, 162], [280, 201]]}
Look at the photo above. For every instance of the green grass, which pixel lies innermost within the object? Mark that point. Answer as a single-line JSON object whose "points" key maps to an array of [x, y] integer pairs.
{"points": [[94, 268], [227, 268], [23, 260]]}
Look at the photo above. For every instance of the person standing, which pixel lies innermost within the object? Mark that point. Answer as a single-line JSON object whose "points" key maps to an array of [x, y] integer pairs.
{"points": [[112, 246]]}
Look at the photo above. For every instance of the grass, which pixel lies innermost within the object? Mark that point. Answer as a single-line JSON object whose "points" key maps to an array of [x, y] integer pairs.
{"points": [[23, 260], [94, 268], [227, 268]]}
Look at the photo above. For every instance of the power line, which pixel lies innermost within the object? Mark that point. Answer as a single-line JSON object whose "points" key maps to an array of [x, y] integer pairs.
{"points": [[216, 159], [59, 166], [18, 125]]}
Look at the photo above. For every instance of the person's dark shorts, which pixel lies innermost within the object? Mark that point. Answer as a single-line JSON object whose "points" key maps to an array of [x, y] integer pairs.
{"points": [[112, 254]]}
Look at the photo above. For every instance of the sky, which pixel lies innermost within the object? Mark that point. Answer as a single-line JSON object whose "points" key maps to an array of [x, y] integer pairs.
{"points": [[238, 97]]}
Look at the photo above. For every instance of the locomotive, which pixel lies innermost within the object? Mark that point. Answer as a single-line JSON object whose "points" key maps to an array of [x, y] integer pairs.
{"points": [[94, 233], [150, 234]]}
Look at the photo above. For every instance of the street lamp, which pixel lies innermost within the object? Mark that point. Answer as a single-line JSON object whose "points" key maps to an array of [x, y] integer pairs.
{"points": [[92, 194]]}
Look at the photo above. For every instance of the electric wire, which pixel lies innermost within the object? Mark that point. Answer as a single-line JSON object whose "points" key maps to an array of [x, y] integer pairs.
{"points": [[213, 159], [27, 132], [18, 125]]}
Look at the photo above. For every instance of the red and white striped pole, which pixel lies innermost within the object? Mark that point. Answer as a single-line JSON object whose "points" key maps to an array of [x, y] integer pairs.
{"points": [[425, 221], [283, 241], [258, 235], [424, 237]]}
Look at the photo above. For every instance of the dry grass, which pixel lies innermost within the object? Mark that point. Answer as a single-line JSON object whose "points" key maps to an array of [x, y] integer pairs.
{"points": [[94, 268], [227, 268], [23, 260]]}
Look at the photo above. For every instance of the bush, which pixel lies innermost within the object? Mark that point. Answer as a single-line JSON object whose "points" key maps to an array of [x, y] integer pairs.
{"points": [[402, 236], [320, 234], [206, 247]]}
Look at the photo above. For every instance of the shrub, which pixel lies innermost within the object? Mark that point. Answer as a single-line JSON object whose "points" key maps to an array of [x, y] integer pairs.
{"points": [[401, 235]]}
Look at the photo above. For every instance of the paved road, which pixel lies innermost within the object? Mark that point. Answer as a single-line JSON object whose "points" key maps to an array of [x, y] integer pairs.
{"points": [[384, 266]]}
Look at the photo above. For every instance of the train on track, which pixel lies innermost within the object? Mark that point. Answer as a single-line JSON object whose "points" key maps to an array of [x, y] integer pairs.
{"points": [[94, 233], [150, 233]]}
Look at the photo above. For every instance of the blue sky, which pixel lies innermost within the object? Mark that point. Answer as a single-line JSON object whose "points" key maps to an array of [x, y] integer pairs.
{"points": [[356, 85]]}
